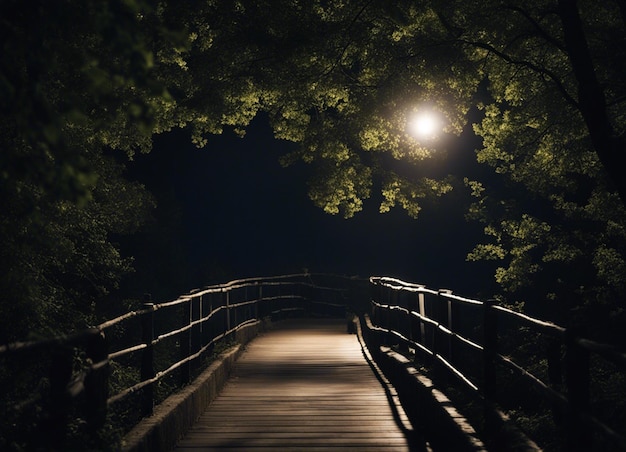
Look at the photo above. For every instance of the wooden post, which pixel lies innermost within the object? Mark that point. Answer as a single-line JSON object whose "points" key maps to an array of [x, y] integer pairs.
{"points": [[206, 307], [422, 311], [373, 298], [443, 316], [555, 375], [426, 339], [450, 325], [490, 347], [404, 321], [227, 311], [392, 316], [195, 333], [147, 357], [97, 382], [386, 317], [233, 310], [413, 321], [210, 328], [257, 310], [578, 435], [185, 343], [201, 326], [54, 428]]}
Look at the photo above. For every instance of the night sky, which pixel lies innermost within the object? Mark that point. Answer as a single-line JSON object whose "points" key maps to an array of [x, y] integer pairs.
{"points": [[242, 214]]}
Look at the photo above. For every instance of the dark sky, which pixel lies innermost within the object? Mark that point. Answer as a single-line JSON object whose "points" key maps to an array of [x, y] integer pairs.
{"points": [[244, 215]]}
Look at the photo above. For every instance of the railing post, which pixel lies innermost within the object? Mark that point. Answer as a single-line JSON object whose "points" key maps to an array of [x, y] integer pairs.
{"points": [[195, 332], [449, 323], [422, 311], [404, 321], [185, 343], [257, 311], [392, 316], [97, 382], [555, 376], [386, 318], [228, 311], [579, 435], [373, 311], [234, 317], [147, 357], [413, 321], [200, 341], [442, 344], [209, 328], [418, 332], [377, 294], [490, 346], [260, 304], [60, 377], [249, 308], [378, 311]]}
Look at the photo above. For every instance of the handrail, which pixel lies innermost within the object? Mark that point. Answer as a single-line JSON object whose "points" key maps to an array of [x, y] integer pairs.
{"points": [[407, 313], [31, 346], [407, 321], [209, 315]]}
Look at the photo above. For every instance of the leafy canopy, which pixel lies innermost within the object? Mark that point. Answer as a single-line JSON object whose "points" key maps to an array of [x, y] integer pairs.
{"points": [[85, 85]]}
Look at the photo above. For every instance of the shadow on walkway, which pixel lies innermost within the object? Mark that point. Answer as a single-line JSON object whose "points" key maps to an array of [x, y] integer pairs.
{"points": [[303, 385]]}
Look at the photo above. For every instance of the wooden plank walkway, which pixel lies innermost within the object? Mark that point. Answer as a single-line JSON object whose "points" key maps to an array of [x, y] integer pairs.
{"points": [[302, 386]]}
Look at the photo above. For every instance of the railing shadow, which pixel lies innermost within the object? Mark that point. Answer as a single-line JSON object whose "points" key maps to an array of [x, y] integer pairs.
{"points": [[466, 346]]}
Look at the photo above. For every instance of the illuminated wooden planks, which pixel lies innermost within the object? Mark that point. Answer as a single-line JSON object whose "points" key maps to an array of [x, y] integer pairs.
{"points": [[304, 386]]}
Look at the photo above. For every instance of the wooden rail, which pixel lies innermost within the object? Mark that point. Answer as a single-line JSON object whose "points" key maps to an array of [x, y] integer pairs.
{"points": [[427, 323], [191, 324], [169, 340]]}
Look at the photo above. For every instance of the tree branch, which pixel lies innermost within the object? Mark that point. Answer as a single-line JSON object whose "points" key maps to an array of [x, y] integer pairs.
{"points": [[544, 34], [591, 98], [540, 70]]}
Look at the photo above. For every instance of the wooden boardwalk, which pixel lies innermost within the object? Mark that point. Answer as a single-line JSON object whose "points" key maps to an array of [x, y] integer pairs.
{"points": [[302, 386]]}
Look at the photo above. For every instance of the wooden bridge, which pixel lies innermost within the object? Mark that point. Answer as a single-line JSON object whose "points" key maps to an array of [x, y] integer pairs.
{"points": [[268, 363], [304, 385]]}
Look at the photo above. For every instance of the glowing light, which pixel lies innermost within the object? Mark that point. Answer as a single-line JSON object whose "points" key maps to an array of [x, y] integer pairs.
{"points": [[424, 125]]}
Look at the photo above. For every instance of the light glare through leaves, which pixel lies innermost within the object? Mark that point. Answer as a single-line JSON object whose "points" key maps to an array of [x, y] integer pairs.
{"points": [[424, 125]]}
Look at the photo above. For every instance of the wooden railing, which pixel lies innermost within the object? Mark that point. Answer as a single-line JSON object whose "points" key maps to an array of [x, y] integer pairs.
{"points": [[464, 340], [78, 384]]}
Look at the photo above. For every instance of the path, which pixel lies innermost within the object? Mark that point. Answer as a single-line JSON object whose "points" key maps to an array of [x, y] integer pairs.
{"points": [[303, 386]]}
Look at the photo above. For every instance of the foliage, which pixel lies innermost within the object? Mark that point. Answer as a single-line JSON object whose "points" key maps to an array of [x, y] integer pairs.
{"points": [[75, 84], [344, 98], [85, 85], [555, 200], [556, 228], [553, 214]]}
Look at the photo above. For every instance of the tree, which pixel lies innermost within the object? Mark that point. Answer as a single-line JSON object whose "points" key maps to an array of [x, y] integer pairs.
{"points": [[346, 99], [341, 79], [553, 128], [75, 85]]}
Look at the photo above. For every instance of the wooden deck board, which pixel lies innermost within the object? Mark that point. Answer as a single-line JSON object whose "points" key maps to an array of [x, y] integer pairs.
{"points": [[304, 386]]}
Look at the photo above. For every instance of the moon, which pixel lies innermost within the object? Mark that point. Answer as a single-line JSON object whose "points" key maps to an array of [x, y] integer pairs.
{"points": [[424, 125]]}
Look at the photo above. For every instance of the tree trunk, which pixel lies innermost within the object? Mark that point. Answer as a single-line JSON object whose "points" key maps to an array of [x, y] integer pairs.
{"points": [[591, 99]]}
